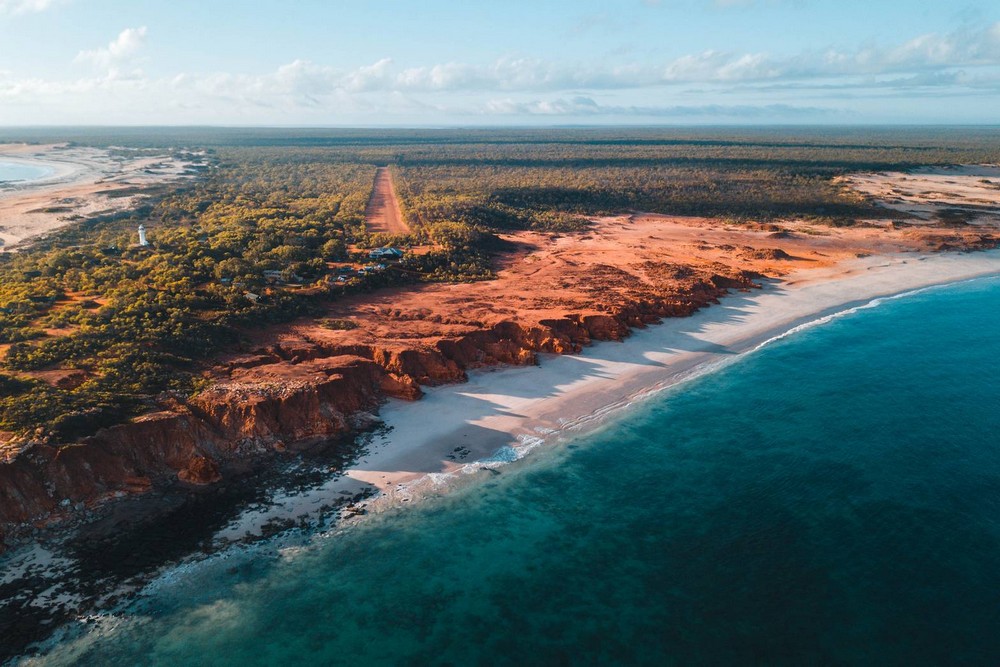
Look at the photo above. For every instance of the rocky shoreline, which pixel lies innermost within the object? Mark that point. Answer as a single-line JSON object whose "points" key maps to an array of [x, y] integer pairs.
{"points": [[102, 557], [99, 558], [139, 496], [238, 425], [295, 385]]}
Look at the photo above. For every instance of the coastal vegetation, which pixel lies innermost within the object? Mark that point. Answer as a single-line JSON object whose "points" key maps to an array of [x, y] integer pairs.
{"points": [[95, 329]]}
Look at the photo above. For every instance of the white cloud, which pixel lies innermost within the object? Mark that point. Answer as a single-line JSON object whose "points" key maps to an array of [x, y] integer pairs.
{"points": [[928, 53], [17, 7], [586, 106], [964, 62], [369, 77], [123, 47]]}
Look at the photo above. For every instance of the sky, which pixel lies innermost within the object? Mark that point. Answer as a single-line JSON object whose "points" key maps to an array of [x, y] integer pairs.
{"points": [[490, 62]]}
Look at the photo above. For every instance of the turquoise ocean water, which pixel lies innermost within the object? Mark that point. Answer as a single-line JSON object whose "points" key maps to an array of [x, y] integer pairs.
{"points": [[832, 499], [10, 171]]}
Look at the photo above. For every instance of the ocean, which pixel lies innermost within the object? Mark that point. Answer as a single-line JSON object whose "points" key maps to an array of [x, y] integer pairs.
{"points": [[830, 499], [13, 172]]}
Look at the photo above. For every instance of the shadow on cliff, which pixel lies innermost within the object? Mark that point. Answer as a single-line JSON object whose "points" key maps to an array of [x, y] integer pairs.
{"points": [[687, 334], [422, 441]]}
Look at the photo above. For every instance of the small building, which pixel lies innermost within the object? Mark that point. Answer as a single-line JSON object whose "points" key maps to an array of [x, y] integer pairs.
{"points": [[143, 242], [279, 277], [388, 253]]}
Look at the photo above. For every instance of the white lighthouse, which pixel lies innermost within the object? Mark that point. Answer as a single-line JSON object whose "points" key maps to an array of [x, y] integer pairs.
{"points": [[142, 236]]}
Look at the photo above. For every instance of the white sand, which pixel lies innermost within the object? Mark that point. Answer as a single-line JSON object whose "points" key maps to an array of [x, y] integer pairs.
{"points": [[927, 191], [524, 406], [457, 429], [83, 182]]}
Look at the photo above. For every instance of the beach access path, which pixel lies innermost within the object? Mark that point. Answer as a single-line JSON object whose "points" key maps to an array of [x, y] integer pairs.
{"points": [[382, 213]]}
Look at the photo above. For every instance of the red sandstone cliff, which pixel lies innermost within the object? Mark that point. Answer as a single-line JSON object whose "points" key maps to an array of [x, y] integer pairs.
{"points": [[556, 293], [298, 390]]}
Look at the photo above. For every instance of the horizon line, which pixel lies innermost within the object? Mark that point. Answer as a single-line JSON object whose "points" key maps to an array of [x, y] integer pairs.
{"points": [[525, 126]]}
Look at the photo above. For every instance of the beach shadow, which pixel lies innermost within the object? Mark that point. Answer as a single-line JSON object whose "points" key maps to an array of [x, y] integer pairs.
{"points": [[457, 424], [608, 360]]}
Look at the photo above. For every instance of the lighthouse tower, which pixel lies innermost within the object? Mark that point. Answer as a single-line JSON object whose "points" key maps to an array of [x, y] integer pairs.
{"points": [[142, 236]]}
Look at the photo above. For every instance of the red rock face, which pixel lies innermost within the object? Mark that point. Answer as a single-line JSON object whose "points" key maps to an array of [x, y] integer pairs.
{"points": [[553, 294], [128, 458], [199, 471], [306, 388]]}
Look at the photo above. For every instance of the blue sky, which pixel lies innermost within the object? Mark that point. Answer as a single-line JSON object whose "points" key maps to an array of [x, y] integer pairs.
{"points": [[516, 62]]}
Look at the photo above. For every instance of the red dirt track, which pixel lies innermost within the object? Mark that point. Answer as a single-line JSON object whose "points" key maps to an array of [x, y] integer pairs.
{"points": [[382, 213]]}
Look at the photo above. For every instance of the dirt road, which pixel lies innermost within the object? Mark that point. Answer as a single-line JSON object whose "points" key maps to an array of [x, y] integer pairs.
{"points": [[382, 213]]}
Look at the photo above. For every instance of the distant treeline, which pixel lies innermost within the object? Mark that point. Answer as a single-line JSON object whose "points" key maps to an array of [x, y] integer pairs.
{"points": [[940, 145], [510, 178]]}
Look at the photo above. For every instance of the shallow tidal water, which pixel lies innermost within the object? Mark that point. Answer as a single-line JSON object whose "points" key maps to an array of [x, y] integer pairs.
{"points": [[833, 498], [16, 172]]}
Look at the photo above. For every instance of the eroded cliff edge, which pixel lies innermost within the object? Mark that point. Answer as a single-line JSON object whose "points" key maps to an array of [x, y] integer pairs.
{"points": [[250, 414], [306, 382]]}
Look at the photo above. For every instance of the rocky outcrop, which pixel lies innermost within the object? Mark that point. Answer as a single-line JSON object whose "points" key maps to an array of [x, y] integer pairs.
{"points": [[290, 393], [943, 243], [199, 471], [46, 479]]}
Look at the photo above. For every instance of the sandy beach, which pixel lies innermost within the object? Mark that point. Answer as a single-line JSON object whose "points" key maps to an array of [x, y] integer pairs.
{"points": [[501, 414], [522, 407], [83, 182]]}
